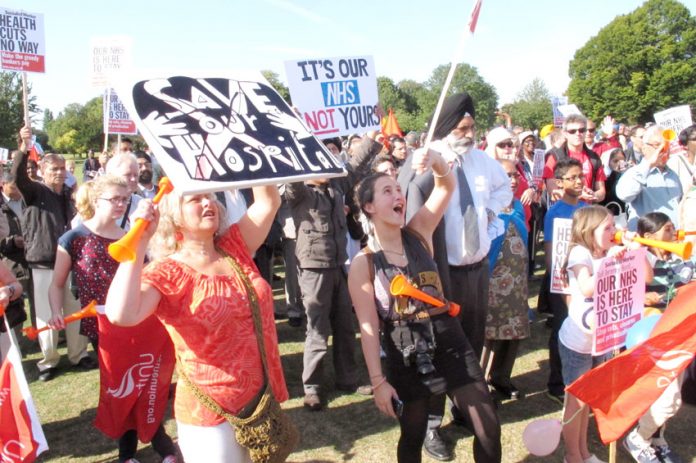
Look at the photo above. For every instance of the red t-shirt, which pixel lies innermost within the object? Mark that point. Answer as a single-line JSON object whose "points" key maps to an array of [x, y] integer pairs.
{"points": [[599, 175], [209, 320]]}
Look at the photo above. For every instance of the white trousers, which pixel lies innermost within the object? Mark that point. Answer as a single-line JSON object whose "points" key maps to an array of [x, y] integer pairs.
{"points": [[664, 408], [210, 444], [48, 340]]}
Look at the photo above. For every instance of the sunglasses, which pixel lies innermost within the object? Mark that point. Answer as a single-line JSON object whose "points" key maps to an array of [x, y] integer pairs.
{"points": [[505, 144], [574, 131]]}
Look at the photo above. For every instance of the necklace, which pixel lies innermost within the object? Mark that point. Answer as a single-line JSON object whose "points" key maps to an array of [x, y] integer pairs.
{"points": [[400, 254]]}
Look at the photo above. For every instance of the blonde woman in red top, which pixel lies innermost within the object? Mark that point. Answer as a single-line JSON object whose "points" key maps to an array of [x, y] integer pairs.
{"points": [[202, 302]]}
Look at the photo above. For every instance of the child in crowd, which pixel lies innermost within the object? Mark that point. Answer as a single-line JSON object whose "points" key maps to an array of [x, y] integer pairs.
{"points": [[646, 443], [592, 239], [569, 178]]}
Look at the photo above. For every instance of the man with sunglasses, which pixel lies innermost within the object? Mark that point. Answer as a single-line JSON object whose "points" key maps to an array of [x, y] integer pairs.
{"points": [[574, 130], [47, 216]]}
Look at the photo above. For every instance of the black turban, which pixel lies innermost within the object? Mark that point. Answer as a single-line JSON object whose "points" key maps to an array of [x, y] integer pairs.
{"points": [[454, 108]]}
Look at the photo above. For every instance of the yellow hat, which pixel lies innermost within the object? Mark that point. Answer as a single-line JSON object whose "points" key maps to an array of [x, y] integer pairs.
{"points": [[545, 131]]}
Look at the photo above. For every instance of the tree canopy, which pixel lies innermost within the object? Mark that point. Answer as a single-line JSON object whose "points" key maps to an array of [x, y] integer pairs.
{"points": [[532, 107], [638, 64], [414, 102], [12, 108], [77, 128]]}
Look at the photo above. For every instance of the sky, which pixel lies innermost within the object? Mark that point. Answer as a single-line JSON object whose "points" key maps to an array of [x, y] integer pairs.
{"points": [[515, 41]]}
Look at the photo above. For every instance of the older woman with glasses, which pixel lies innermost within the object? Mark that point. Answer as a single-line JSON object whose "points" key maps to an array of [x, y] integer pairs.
{"points": [[502, 148]]}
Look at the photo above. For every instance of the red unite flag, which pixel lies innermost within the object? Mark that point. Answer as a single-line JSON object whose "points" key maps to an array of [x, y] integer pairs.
{"points": [[21, 436], [621, 390], [474, 16]]}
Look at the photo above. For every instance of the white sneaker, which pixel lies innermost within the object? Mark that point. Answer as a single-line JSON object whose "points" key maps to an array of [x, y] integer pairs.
{"points": [[170, 459], [641, 451]]}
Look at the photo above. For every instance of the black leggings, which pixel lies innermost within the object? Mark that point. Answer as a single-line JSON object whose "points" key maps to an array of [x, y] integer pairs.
{"points": [[474, 401], [161, 442]]}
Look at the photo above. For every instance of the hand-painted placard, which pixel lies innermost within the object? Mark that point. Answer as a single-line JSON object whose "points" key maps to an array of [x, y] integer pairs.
{"points": [[335, 96], [22, 46], [619, 299], [116, 117], [561, 242], [109, 55], [539, 162], [220, 131]]}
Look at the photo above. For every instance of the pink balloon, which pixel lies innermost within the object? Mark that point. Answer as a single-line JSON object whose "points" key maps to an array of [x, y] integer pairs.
{"points": [[541, 437]]}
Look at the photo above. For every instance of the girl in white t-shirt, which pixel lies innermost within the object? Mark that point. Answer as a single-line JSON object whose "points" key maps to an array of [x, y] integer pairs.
{"points": [[592, 239]]}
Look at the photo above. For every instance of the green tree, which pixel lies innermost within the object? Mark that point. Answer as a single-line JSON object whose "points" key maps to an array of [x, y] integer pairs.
{"points": [[279, 86], [532, 107], [638, 64], [77, 128], [466, 79], [12, 108]]}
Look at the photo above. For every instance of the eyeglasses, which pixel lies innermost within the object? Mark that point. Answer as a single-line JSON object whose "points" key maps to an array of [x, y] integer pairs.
{"points": [[528, 141], [574, 131], [116, 200], [574, 178], [505, 144]]}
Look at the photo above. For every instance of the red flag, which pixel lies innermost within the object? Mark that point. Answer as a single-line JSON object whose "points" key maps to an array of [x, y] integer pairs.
{"points": [[21, 436], [623, 389], [391, 126], [474, 16], [136, 365]]}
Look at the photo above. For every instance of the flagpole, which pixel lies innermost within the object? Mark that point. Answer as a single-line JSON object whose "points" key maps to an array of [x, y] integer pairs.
{"points": [[450, 75], [105, 118]]}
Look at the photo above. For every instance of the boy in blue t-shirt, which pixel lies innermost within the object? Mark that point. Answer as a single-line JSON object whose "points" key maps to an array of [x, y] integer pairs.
{"points": [[570, 179]]}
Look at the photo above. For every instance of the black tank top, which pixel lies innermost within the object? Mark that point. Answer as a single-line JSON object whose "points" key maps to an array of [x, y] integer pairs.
{"points": [[421, 271]]}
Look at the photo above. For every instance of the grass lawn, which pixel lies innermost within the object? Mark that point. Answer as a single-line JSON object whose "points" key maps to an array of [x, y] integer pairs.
{"points": [[350, 429]]}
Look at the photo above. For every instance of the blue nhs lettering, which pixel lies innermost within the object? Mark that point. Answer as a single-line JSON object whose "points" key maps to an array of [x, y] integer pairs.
{"points": [[340, 93]]}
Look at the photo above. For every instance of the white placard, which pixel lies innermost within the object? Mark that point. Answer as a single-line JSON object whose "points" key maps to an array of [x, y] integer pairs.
{"points": [[335, 96], [22, 44], [109, 56], [562, 229]]}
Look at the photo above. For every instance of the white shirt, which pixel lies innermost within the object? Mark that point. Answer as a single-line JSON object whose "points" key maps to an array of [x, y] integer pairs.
{"points": [[578, 329], [490, 189], [680, 164]]}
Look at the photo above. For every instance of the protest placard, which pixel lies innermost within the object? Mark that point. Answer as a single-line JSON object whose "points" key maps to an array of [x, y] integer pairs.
{"points": [[335, 96], [677, 118], [116, 117], [108, 56], [538, 168], [22, 46], [558, 117], [220, 131], [561, 241], [619, 299]]}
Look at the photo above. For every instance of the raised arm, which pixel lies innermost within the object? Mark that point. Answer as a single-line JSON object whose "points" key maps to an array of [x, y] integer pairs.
{"points": [[426, 219], [129, 301], [256, 223], [26, 186]]}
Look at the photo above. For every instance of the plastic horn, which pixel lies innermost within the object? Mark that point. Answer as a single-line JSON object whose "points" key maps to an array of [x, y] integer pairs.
{"points": [[682, 250], [401, 287], [90, 310], [668, 136], [681, 234], [123, 250]]}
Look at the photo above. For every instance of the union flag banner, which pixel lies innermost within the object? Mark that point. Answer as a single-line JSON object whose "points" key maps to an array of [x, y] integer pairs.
{"points": [[21, 436], [136, 365], [621, 390]]}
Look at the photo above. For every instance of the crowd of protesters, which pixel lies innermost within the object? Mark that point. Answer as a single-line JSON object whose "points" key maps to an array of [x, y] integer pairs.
{"points": [[462, 222]]}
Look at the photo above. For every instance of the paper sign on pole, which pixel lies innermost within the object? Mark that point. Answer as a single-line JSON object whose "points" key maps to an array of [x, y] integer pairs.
{"points": [[619, 299], [557, 101], [109, 55], [116, 117], [216, 131], [22, 45], [4, 155], [335, 96], [538, 168], [677, 118], [561, 242]]}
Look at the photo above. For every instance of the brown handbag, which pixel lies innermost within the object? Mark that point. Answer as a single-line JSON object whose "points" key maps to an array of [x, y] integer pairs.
{"points": [[268, 432]]}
